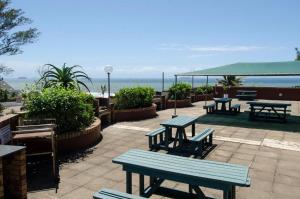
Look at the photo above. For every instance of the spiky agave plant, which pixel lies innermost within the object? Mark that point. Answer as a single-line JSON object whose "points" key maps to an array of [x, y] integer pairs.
{"points": [[67, 77]]}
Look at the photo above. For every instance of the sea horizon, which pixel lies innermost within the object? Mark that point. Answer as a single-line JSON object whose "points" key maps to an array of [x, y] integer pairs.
{"points": [[156, 83]]}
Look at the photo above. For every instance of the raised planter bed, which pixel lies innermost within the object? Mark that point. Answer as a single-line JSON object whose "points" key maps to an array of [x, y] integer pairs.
{"points": [[80, 139], [179, 103], [135, 114], [202, 97]]}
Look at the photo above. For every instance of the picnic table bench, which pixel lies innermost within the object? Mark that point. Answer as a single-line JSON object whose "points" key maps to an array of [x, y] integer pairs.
{"points": [[179, 123], [194, 172], [268, 111], [113, 194]]}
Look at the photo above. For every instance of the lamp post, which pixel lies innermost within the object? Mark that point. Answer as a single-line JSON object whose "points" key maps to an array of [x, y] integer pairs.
{"points": [[108, 69]]}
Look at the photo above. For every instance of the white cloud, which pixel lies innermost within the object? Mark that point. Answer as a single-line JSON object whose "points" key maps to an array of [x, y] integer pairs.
{"points": [[198, 50]]}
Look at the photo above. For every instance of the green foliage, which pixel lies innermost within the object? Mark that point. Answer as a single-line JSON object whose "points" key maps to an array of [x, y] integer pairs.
{"points": [[11, 19], [135, 97], [72, 109], [67, 77], [7, 96], [181, 89], [204, 89], [230, 80]]}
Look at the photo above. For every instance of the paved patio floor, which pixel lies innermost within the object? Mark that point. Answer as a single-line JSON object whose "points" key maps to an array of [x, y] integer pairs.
{"points": [[271, 150]]}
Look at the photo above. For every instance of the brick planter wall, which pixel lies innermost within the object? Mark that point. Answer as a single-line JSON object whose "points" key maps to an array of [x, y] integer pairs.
{"points": [[80, 139], [179, 103], [135, 114], [203, 97], [14, 175], [268, 93], [1, 180]]}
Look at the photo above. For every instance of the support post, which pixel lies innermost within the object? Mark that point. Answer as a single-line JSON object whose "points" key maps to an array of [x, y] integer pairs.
{"points": [[206, 93], [175, 103], [192, 82], [108, 87], [163, 82]]}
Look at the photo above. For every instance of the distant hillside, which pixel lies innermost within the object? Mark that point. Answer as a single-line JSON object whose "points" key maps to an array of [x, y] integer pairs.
{"points": [[5, 86]]}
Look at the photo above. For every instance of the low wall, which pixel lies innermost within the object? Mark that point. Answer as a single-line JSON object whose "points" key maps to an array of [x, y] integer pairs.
{"points": [[268, 93], [135, 114], [80, 139]]}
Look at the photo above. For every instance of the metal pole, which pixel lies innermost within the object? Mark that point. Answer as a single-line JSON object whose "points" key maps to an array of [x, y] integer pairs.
{"points": [[206, 93], [192, 82], [163, 82], [108, 78], [175, 103]]}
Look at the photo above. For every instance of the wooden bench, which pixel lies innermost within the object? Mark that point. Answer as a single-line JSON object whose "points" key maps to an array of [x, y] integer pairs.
{"points": [[193, 172], [111, 194], [153, 140], [210, 108], [202, 140], [236, 108]]}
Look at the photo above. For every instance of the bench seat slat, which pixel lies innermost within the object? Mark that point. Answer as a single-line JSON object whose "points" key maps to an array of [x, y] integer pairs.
{"points": [[202, 134], [156, 131], [203, 169], [113, 194]]}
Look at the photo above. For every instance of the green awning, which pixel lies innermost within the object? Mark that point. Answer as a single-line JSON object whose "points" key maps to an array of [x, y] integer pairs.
{"points": [[288, 68]]}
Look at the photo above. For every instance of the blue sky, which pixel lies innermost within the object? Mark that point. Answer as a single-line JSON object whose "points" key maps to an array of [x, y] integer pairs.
{"points": [[143, 38]]}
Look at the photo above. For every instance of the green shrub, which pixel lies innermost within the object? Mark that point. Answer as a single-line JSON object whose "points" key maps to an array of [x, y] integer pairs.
{"points": [[181, 89], [72, 109], [135, 97], [204, 89]]}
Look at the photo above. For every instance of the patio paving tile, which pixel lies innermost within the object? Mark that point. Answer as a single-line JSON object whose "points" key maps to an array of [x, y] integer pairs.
{"points": [[275, 172]]}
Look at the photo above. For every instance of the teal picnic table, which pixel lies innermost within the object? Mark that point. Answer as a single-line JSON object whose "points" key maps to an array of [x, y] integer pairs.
{"points": [[179, 123], [194, 172]]}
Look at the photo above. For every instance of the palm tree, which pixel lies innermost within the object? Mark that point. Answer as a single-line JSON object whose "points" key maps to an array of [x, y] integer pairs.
{"points": [[67, 77], [230, 80]]}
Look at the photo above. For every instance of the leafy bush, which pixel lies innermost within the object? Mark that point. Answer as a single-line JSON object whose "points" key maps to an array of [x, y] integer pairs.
{"points": [[204, 89], [135, 97], [181, 89], [72, 109]]}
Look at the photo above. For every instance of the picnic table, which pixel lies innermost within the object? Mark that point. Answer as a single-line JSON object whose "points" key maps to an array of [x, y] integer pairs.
{"points": [[223, 101], [268, 111], [180, 123], [194, 172]]}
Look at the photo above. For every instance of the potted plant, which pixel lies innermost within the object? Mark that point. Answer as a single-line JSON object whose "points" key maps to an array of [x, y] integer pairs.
{"points": [[182, 92], [134, 103], [225, 89]]}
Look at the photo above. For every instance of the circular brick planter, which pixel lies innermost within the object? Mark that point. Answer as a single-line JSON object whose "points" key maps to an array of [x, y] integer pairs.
{"points": [[135, 114], [179, 103], [199, 97], [80, 139]]}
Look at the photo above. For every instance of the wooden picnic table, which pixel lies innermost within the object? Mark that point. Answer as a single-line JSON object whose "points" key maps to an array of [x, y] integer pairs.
{"points": [[268, 110], [180, 123], [223, 101], [194, 172]]}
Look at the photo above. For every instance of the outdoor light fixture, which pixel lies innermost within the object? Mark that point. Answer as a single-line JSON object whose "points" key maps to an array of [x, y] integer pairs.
{"points": [[108, 69]]}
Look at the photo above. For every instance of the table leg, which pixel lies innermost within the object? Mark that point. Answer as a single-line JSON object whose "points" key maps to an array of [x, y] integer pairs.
{"points": [[193, 129], [128, 182], [223, 108], [167, 136], [181, 132], [142, 184], [233, 192], [176, 138]]}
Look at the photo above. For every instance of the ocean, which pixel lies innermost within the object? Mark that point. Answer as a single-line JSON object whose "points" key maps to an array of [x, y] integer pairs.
{"points": [[156, 83]]}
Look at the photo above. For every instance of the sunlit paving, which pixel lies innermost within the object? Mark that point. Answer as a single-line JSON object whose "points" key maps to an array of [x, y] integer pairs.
{"points": [[149, 99]]}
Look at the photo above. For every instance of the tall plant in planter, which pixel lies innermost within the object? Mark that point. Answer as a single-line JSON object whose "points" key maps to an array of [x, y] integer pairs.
{"points": [[72, 109], [66, 77], [182, 91], [135, 97]]}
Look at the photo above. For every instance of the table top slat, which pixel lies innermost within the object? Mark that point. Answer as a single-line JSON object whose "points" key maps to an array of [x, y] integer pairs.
{"points": [[225, 172], [180, 121]]}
